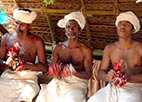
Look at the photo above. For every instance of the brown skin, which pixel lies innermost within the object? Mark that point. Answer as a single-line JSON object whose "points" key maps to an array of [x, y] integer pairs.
{"points": [[31, 46], [74, 52], [3, 29], [124, 49]]}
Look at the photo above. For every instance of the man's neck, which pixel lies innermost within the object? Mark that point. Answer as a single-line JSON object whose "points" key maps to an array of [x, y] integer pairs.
{"points": [[72, 43], [124, 43], [23, 34]]}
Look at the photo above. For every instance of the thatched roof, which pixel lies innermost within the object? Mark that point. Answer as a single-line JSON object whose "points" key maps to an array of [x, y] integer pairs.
{"points": [[100, 16]]}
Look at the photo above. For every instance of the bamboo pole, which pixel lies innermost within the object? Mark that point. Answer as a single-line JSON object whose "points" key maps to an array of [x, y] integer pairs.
{"points": [[48, 17], [49, 21], [87, 24], [116, 9]]}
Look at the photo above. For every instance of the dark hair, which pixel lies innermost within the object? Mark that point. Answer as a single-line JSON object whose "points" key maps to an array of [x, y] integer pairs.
{"points": [[24, 9], [132, 27]]}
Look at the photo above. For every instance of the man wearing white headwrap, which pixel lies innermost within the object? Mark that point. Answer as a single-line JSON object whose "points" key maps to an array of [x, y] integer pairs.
{"points": [[77, 16], [128, 53], [24, 15], [77, 56], [131, 17], [16, 84]]}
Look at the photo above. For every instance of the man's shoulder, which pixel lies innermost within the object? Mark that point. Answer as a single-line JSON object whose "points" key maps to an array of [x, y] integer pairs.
{"points": [[84, 47], [137, 44], [111, 46], [35, 38], [58, 46]]}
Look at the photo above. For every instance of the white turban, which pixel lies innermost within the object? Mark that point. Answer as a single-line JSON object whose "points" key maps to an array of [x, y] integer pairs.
{"points": [[131, 17], [24, 15], [77, 16]]}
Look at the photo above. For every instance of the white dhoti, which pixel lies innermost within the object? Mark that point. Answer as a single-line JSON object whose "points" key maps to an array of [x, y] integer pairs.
{"points": [[67, 89], [129, 93], [18, 86]]}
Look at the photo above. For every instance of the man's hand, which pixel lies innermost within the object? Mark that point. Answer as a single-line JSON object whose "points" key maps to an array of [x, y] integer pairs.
{"points": [[110, 75]]}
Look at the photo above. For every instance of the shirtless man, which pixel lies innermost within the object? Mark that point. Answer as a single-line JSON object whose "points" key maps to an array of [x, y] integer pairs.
{"points": [[31, 45], [78, 55], [130, 53], [74, 52], [22, 86]]}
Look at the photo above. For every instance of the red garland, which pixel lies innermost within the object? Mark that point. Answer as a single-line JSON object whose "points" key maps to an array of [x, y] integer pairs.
{"points": [[119, 80], [56, 69], [14, 59]]}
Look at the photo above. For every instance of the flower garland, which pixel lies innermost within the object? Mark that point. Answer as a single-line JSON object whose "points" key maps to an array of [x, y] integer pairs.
{"points": [[120, 79], [14, 60], [57, 69]]}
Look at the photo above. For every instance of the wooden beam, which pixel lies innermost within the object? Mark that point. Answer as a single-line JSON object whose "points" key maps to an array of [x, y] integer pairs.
{"points": [[65, 11]]}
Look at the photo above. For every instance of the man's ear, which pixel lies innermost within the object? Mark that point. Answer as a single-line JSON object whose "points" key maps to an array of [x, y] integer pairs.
{"points": [[133, 31], [30, 25]]}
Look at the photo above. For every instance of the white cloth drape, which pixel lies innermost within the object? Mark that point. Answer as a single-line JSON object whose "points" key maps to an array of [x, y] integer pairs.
{"points": [[67, 89], [18, 86], [129, 93]]}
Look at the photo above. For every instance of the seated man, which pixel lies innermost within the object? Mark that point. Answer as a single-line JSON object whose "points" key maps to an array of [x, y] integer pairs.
{"points": [[125, 79], [72, 65], [18, 53]]}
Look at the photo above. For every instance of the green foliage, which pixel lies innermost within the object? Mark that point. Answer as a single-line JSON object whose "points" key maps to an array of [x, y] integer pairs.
{"points": [[48, 2]]}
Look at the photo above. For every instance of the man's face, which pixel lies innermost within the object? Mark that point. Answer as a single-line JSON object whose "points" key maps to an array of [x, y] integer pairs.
{"points": [[124, 28], [21, 26], [72, 29]]}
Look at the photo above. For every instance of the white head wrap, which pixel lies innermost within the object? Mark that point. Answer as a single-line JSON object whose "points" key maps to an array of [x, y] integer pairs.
{"points": [[77, 16], [24, 15], [138, 1], [131, 17]]}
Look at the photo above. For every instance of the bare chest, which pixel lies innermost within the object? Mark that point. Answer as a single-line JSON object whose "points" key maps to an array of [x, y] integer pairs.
{"points": [[131, 57], [27, 49], [74, 56]]}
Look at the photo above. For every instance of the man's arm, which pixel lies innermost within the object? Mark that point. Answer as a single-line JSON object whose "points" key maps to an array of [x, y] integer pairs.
{"points": [[3, 46], [103, 74], [55, 53], [3, 66]]}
